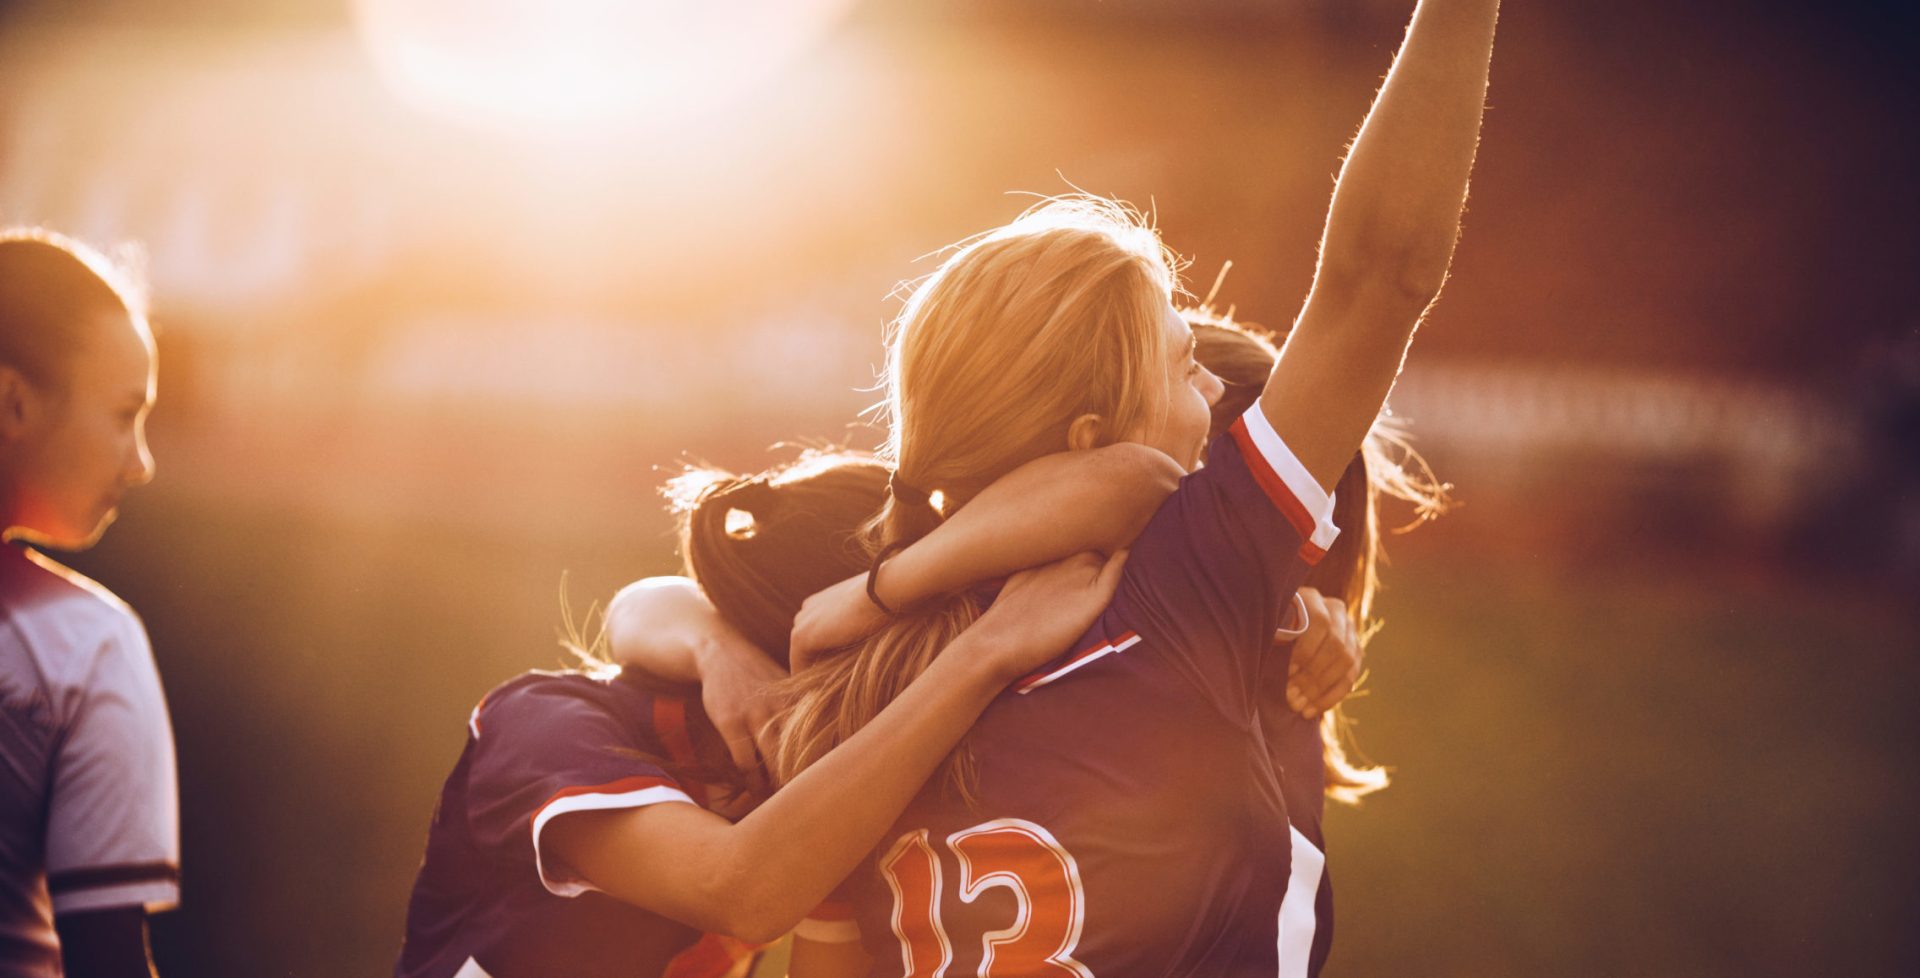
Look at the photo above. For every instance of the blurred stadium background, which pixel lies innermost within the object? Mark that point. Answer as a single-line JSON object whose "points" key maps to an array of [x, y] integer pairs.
{"points": [[447, 288]]}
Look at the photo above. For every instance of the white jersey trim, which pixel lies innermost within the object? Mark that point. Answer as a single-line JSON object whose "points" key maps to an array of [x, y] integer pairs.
{"points": [[1296, 620], [827, 931], [1038, 680], [153, 896], [1317, 502], [593, 802], [1297, 923], [471, 969]]}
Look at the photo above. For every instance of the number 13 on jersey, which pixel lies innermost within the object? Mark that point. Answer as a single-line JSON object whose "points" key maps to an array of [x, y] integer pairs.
{"points": [[1022, 857]]}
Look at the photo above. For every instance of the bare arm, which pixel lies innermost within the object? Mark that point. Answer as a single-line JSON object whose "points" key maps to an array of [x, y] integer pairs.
{"points": [[663, 626], [757, 878], [667, 628], [1389, 237], [1067, 503]]}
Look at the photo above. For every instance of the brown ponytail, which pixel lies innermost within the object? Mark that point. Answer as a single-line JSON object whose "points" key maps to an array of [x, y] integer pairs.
{"points": [[759, 546]]}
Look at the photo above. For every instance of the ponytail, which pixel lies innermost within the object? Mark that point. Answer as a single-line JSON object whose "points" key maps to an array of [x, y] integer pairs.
{"points": [[759, 546]]}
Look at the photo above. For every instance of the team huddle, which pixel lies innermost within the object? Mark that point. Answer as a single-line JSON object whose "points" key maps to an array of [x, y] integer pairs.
{"points": [[1048, 685]]}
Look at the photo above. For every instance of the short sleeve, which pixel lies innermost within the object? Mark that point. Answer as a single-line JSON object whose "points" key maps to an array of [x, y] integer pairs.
{"points": [[113, 814], [1211, 578], [542, 750]]}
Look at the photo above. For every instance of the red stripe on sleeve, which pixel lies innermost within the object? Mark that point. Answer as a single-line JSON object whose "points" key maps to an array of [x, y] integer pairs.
{"points": [[620, 787], [670, 723], [1277, 491], [477, 707], [713, 956]]}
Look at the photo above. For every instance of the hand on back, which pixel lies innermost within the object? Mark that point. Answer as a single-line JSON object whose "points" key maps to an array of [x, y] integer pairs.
{"points": [[1040, 612], [735, 690]]}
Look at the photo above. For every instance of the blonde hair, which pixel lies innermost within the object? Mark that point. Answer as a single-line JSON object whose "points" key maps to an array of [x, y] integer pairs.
{"points": [[1019, 331]]}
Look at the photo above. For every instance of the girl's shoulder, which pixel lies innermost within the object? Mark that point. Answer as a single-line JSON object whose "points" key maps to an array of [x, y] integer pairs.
{"points": [[547, 693]]}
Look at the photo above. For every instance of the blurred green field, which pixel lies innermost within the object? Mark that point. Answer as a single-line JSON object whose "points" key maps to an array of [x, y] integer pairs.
{"points": [[1600, 770], [1607, 772]]}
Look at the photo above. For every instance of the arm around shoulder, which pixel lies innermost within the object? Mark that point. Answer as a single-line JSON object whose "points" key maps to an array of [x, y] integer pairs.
{"points": [[757, 878], [1096, 499]]}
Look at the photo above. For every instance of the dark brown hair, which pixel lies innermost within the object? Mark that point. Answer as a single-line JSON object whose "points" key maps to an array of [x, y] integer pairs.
{"points": [[760, 545], [54, 294]]}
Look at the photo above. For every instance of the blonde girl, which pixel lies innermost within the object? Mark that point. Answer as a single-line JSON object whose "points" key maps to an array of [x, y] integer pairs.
{"points": [[1114, 813]]}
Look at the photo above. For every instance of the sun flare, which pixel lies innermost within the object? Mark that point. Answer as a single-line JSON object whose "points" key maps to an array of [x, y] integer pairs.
{"points": [[581, 66]]}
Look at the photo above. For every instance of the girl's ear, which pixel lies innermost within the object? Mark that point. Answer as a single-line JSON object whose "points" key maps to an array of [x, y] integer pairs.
{"points": [[19, 404], [1085, 432]]}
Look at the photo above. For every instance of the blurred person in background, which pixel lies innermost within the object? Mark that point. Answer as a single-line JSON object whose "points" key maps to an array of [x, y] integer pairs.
{"points": [[89, 821]]}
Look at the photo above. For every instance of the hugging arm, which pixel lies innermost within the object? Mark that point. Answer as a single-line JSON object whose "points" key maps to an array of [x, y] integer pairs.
{"points": [[1093, 500], [1071, 502], [756, 878], [1389, 237], [1066, 503], [666, 628]]}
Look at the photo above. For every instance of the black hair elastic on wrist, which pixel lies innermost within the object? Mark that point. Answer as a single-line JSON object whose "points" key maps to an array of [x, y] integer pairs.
{"points": [[873, 575]]}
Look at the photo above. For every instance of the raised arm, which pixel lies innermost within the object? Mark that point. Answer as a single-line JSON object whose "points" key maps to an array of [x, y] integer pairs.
{"points": [[756, 878], [1389, 237], [1067, 503]]}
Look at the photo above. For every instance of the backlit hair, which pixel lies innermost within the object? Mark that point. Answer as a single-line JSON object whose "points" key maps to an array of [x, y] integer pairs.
{"points": [[760, 545], [55, 292]]}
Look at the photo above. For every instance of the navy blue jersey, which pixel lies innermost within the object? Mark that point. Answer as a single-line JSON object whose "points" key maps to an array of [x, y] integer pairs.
{"points": [[488, 900], [1129, 818], [1299, 757]]}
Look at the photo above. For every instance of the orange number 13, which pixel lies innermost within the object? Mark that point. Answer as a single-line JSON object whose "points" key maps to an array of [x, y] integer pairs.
{"points": [[1050, 903]]}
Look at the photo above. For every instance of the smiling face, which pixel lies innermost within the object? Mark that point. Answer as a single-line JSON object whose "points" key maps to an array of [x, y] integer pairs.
{"points": [[74, 449], [1190, 393]]}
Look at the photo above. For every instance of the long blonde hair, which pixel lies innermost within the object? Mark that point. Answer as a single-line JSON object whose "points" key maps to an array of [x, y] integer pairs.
{"points": [[1017, 333]]}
